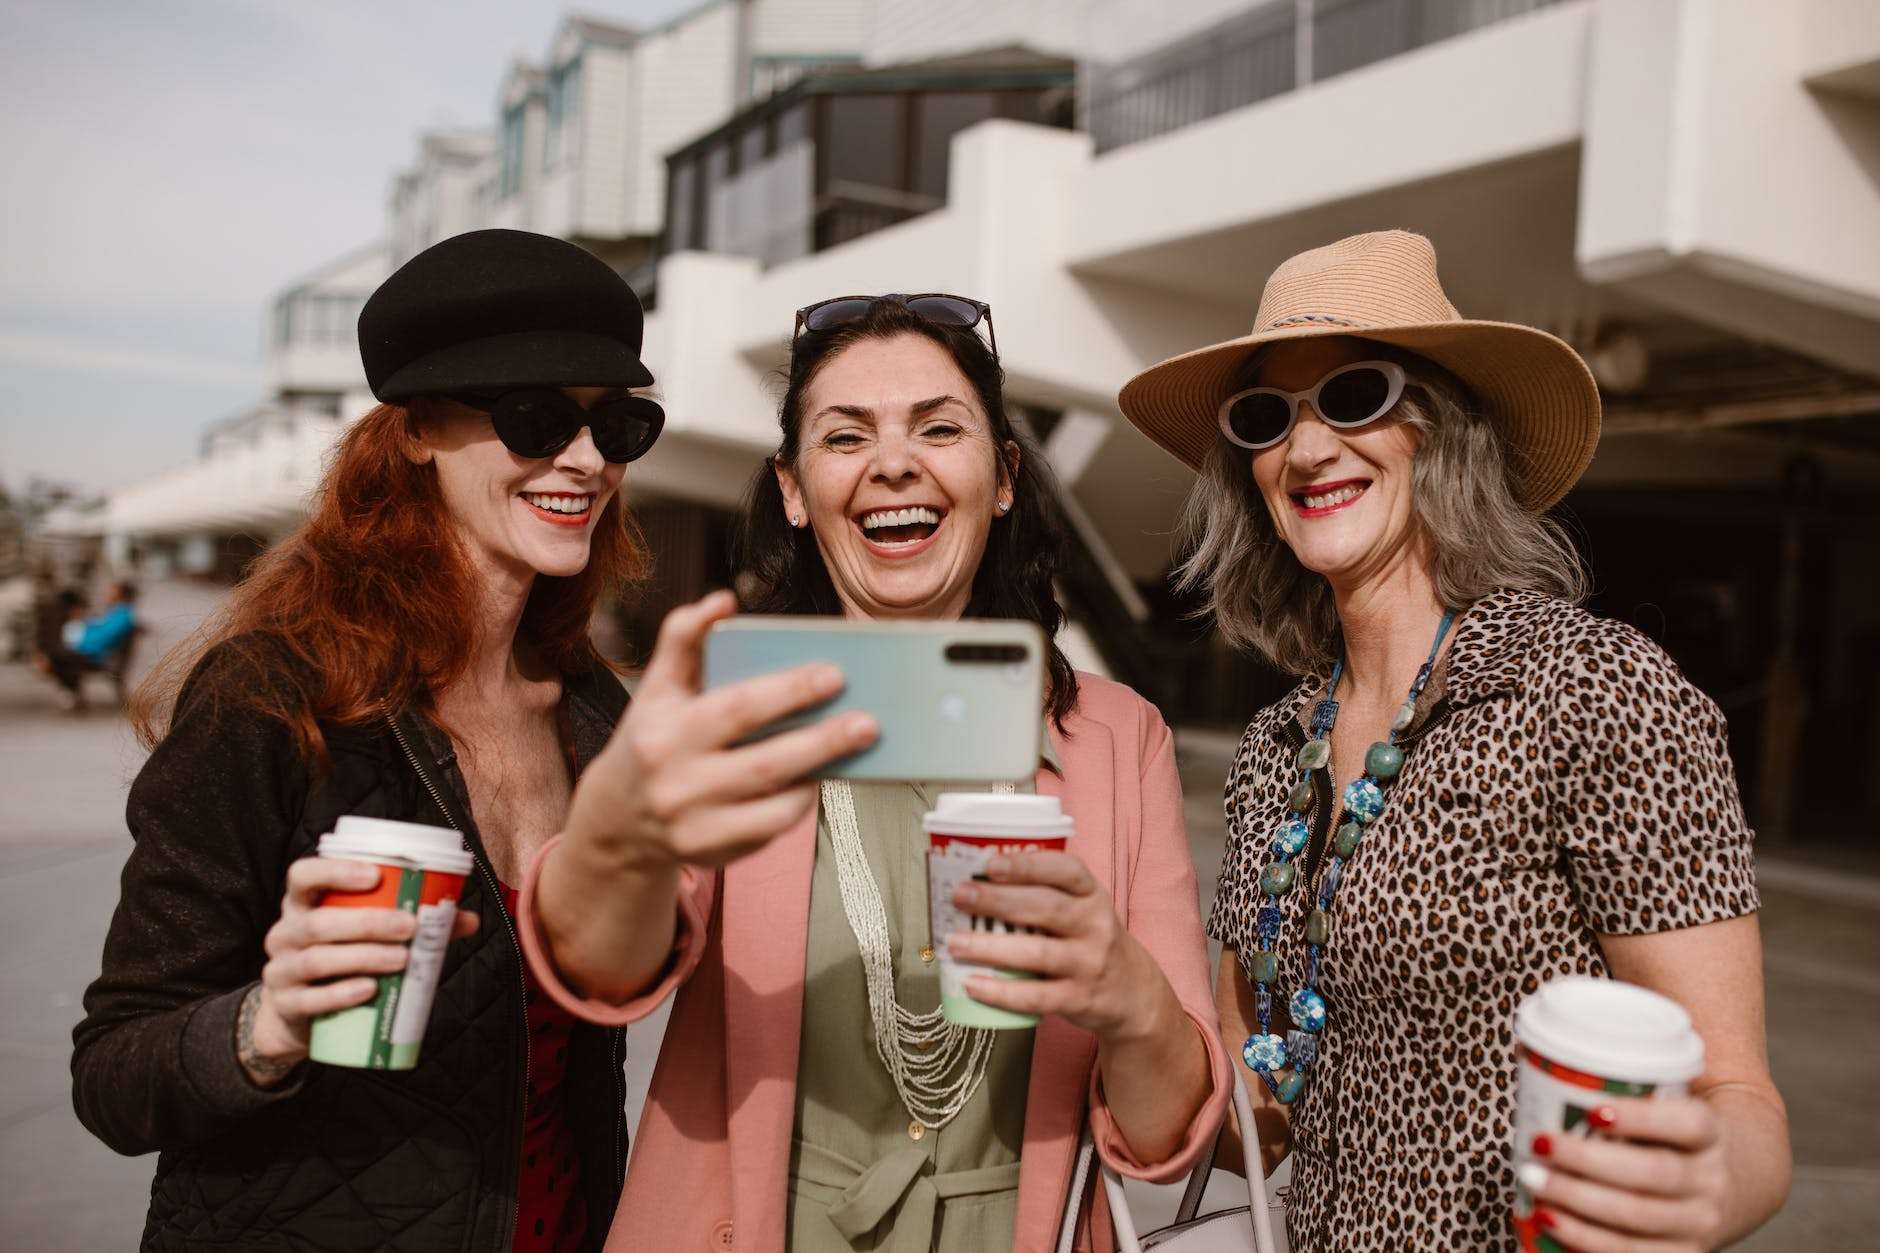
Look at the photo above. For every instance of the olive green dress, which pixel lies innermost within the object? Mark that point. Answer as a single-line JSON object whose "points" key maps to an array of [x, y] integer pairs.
{"points": [[863, 1174]]}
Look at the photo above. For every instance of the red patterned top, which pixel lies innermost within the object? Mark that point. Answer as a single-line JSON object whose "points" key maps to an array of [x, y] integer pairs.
{"points": [[551, 1214]]}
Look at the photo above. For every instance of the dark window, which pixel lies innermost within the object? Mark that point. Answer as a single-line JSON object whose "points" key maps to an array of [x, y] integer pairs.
{"points": [[938, 118], [753, 144], [510, 179], [717, 168], [682, 207], [792, 125], [717, 174], [867, 139]]}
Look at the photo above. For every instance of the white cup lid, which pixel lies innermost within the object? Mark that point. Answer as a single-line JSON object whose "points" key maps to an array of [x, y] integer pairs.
{"points": [[434, 848], [995, 814], [1614, 1030]]}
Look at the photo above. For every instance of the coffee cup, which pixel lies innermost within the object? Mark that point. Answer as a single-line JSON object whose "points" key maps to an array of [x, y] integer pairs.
{"points": [[422, 870], [1581, 1042], [966, 830]]}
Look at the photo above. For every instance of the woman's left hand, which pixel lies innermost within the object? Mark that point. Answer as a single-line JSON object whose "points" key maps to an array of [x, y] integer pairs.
{"points": [[1090, 970], [1654, 1181]]}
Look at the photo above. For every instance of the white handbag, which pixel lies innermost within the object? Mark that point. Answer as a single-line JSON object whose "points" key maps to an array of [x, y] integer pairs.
{"points": [[1249, 1229]]}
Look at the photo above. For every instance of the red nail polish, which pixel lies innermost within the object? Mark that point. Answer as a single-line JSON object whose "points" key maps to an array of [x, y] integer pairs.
{"points": [[1602, 1118], [1543, 1146], [1544, 1220]]}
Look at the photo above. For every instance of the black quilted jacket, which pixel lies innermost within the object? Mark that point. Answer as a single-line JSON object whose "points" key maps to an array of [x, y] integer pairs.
{"points": [[337, 1159]]}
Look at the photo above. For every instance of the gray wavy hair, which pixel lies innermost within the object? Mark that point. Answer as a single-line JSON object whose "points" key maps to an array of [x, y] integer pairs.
{"points": [[1464, 492]]}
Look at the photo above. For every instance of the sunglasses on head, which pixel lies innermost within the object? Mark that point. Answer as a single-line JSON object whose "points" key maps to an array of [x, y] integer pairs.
{"points": [[541, 421], [1349, 397], [960, 311]]}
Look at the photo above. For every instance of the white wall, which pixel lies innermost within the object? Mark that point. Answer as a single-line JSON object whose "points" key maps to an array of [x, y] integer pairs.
{"points": [[810, 27], [1720, 184], [682, 89], [1841, 45], [1118, 30], [609, 151], [1497, 94], [920, 30]]}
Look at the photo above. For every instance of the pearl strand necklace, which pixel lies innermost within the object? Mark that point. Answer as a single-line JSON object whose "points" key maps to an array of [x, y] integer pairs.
{"points": [[936, 1065]]}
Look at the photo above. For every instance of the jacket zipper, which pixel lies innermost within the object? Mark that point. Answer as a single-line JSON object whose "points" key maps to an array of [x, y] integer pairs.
{"points": [[496, 898], [618, 1053]]}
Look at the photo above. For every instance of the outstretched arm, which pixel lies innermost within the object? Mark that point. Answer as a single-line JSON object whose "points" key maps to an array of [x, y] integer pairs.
{"points": [[673, 789]]}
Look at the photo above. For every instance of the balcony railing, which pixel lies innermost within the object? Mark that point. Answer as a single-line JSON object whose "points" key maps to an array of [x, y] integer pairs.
{"points": [[1270, 49]]}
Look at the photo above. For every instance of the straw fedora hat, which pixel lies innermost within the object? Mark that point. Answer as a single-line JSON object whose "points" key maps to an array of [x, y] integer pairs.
{"points": [[1383, 287]]}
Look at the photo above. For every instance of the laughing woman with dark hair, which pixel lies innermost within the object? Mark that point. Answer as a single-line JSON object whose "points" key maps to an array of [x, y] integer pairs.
{"points": [[794, 1107]]}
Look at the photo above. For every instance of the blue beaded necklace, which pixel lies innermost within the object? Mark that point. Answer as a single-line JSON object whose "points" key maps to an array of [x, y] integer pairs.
{"points": [[1265, 1053]]}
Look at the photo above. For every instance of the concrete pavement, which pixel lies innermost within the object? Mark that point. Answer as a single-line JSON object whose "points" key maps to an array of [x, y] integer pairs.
{"points": [[62, 843]]}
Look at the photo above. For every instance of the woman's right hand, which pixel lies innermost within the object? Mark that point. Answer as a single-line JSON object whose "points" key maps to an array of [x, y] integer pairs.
{"points": [[674, 787], [320, 959]]}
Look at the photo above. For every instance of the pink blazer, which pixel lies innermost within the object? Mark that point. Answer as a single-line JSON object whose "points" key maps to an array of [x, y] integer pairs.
{"points": [[709, 1168]]}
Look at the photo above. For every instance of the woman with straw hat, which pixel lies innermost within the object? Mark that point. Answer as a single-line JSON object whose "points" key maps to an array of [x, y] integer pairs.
{"points": [[1476, 786]]}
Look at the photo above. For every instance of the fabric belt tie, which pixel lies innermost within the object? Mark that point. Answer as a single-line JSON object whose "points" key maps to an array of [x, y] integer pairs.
{"points": [[904, 1178]]}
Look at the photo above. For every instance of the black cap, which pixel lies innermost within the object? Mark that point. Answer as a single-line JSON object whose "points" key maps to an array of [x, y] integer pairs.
{"points": [[501, 309]]}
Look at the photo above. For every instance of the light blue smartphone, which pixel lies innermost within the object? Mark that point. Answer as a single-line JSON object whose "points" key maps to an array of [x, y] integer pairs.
{"points": [[956, 701]]}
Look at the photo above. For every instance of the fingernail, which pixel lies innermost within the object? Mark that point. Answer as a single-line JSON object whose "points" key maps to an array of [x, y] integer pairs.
{"points": [[1533, 1176], [1544, 1220], [965, 894], [828, 677], [1543, 1145], [862, 726], [958, 942], [1602, 1117], [999, 865]]}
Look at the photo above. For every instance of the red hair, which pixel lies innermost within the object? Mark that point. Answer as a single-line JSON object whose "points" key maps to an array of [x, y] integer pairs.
{"points": [[365, 605]]}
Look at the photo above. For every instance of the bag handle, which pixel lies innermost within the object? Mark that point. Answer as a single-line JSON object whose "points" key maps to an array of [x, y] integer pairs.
{"points": [[1124, 1222]]}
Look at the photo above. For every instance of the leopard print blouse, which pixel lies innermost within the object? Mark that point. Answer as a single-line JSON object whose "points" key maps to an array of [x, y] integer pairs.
{"points": [[1566, 780]]}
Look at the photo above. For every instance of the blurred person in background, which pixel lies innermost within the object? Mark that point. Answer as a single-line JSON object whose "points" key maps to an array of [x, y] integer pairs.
{"points": [[59, 616], [1533, 793], [418, 650], [70, 643], [777, 1119], [105, 632]]}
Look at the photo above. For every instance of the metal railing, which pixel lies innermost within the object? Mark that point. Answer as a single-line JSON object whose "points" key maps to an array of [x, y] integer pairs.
{"points": [[1265, 51]]}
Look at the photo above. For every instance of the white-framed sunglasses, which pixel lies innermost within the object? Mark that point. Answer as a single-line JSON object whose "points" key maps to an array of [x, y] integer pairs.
{"points": [[1349, 397]]}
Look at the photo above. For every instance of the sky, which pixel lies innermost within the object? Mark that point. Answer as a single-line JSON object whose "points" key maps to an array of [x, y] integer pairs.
{"points": [[169, 165]]}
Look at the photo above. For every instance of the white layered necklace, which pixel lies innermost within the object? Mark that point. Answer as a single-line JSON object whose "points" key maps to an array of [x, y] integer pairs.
{"points": [[936, 1065]]}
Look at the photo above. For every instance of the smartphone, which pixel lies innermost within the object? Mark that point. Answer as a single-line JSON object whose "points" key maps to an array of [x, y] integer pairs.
{"points": [[956, 701]]}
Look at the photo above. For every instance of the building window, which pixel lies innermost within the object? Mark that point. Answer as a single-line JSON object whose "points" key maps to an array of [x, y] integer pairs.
{"points": [[718, 162], [753, 144], [866, 140], [562, 143], [682, 211], [509, 180], [792, 125]]}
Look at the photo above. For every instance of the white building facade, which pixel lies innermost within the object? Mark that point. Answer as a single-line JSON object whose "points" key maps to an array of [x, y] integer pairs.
{"points": [[1684, 189]]}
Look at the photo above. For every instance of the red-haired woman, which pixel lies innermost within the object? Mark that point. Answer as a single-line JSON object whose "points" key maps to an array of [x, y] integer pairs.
{"points": [[417, 651]]}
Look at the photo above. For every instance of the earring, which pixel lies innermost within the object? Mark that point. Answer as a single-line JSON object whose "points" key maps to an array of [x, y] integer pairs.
{"points": [[1004, 505], [796, 519]]}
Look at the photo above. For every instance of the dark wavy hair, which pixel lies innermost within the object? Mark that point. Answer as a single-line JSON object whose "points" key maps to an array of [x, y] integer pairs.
{"points": [[779, 568]]}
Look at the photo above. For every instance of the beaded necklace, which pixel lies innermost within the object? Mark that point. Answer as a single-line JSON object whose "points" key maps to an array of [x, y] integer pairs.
{"points": [[1266, 1053]]}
